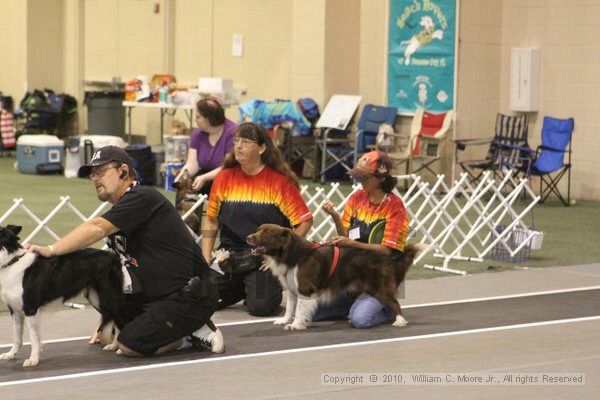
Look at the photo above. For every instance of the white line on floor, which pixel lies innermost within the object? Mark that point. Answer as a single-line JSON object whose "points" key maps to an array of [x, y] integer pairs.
{"points": [[508, 296], [300, 350], [442, 303]]}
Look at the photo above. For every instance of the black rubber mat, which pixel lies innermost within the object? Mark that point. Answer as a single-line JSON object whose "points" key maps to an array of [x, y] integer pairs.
{"points": [[77, 356]]}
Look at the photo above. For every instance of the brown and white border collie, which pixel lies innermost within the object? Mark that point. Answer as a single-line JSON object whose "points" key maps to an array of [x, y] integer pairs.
{"points": [[29, 282], [305, 271]]}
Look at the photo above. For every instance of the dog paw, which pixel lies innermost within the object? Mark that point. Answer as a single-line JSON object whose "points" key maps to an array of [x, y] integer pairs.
{"points": [[31, 362], [7, 356], [111, 347], [294, 327], [281, 321], [400, 321], [119, 352], [222, 255]]}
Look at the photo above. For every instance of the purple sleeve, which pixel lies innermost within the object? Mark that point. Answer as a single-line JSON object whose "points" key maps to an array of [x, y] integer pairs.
{"points": [[195, 139]]}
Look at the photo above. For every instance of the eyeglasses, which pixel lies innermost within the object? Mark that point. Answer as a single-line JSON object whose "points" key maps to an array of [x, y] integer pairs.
{"points": [[100, 172], [243, 141]]}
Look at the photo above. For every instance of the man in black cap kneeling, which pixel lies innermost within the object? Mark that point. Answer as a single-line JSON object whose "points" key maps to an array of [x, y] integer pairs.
{"points": [[144, 229]]}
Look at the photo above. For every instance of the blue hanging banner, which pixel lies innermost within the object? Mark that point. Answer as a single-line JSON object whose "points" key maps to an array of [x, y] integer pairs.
{"points": [[421, 55]]}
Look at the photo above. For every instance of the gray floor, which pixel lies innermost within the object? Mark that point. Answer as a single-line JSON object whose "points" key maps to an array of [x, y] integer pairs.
{"points": [[426, 345]]}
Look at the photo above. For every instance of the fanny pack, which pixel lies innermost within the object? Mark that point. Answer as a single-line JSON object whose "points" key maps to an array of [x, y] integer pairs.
{"points": [[243, 262]]}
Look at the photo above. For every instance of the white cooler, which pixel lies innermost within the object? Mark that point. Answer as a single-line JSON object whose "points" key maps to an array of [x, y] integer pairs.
{"points": [[90, 143], [37, 154]]}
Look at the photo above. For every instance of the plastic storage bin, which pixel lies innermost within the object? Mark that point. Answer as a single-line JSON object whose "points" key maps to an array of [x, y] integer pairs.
{"points": [[38, 154], [176, 148], [171, 172]]}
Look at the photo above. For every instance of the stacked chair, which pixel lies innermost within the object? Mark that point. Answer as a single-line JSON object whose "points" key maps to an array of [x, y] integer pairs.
{"points": [[423, 147]]}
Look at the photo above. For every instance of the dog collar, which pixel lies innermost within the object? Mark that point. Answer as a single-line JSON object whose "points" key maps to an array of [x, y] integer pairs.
{"points": [[14, 260]]}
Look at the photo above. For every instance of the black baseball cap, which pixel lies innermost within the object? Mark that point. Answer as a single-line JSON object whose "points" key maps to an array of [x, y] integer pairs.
{"points": [[104, 155]]}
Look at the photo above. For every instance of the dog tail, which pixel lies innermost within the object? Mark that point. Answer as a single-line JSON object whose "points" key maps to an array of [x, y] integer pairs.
{"points": [[405, 262]]}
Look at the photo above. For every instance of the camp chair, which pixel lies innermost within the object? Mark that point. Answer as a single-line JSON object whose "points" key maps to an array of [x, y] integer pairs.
{"points": [[505, 148], [370, 120], [425, 143], [334, 145], [549, 161]]}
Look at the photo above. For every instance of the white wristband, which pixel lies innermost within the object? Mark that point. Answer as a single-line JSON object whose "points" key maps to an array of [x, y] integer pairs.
{"points": [[52, 251]]}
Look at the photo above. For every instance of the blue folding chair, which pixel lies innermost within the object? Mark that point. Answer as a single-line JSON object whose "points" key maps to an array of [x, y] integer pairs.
{"points": [[549, 161], [371, 119]]}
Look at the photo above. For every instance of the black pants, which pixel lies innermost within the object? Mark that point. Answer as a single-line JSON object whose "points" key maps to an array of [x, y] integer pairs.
{"points": [[260, 289], [169, 319]]}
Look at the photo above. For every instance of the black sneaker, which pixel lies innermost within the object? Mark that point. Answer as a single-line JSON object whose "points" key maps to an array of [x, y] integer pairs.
{"points": [[208, 337]]}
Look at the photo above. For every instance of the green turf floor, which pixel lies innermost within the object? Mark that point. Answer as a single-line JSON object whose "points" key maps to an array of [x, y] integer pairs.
{"points": [[571, 233]]}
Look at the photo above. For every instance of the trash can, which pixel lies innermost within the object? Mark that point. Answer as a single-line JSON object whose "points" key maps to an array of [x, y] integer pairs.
{"points": [[106, 114]]}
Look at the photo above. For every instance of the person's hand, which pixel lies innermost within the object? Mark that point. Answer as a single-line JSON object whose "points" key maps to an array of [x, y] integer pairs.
{"points": [[342, 241], [329, 208], [199, 181], [264, 266], [43, 251]]}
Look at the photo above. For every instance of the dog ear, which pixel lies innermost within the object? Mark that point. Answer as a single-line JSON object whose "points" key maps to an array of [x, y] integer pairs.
{"points": [[176, 185], [14, 229], [286, 238]]}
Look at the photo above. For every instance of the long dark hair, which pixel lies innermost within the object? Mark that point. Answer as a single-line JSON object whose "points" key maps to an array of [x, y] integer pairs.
{"points": [[271, 157], [388, 183], [212, 110]]}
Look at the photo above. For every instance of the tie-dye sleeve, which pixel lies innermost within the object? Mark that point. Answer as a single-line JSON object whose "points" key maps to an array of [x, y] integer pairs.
{"points": [[292, 204], [396, 227], [216, 195]]}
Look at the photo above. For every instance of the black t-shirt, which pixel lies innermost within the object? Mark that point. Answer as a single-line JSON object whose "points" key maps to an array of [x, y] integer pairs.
{"points": [[156, 239]]}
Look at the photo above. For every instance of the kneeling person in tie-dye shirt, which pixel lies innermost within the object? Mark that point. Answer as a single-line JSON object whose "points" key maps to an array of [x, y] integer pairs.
{"points": [[373, 218]]}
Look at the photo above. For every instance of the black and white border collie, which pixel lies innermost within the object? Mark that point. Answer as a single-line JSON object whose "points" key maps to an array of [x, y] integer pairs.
{"points": [[29, 282]]}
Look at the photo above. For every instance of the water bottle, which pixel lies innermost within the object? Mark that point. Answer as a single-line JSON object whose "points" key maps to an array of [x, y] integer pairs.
{"points": [[163, 93]]}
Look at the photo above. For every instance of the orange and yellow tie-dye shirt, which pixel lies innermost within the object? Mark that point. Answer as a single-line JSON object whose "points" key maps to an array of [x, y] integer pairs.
{"points": [[360, 213], [241, 203]]}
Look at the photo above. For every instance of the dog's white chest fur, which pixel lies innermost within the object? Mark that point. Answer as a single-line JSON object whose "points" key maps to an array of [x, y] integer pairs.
{"points": [[285, 274], [11, 278]]}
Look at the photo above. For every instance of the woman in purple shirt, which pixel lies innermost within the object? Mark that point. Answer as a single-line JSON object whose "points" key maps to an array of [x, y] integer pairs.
{"points": [[209, 144]]}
